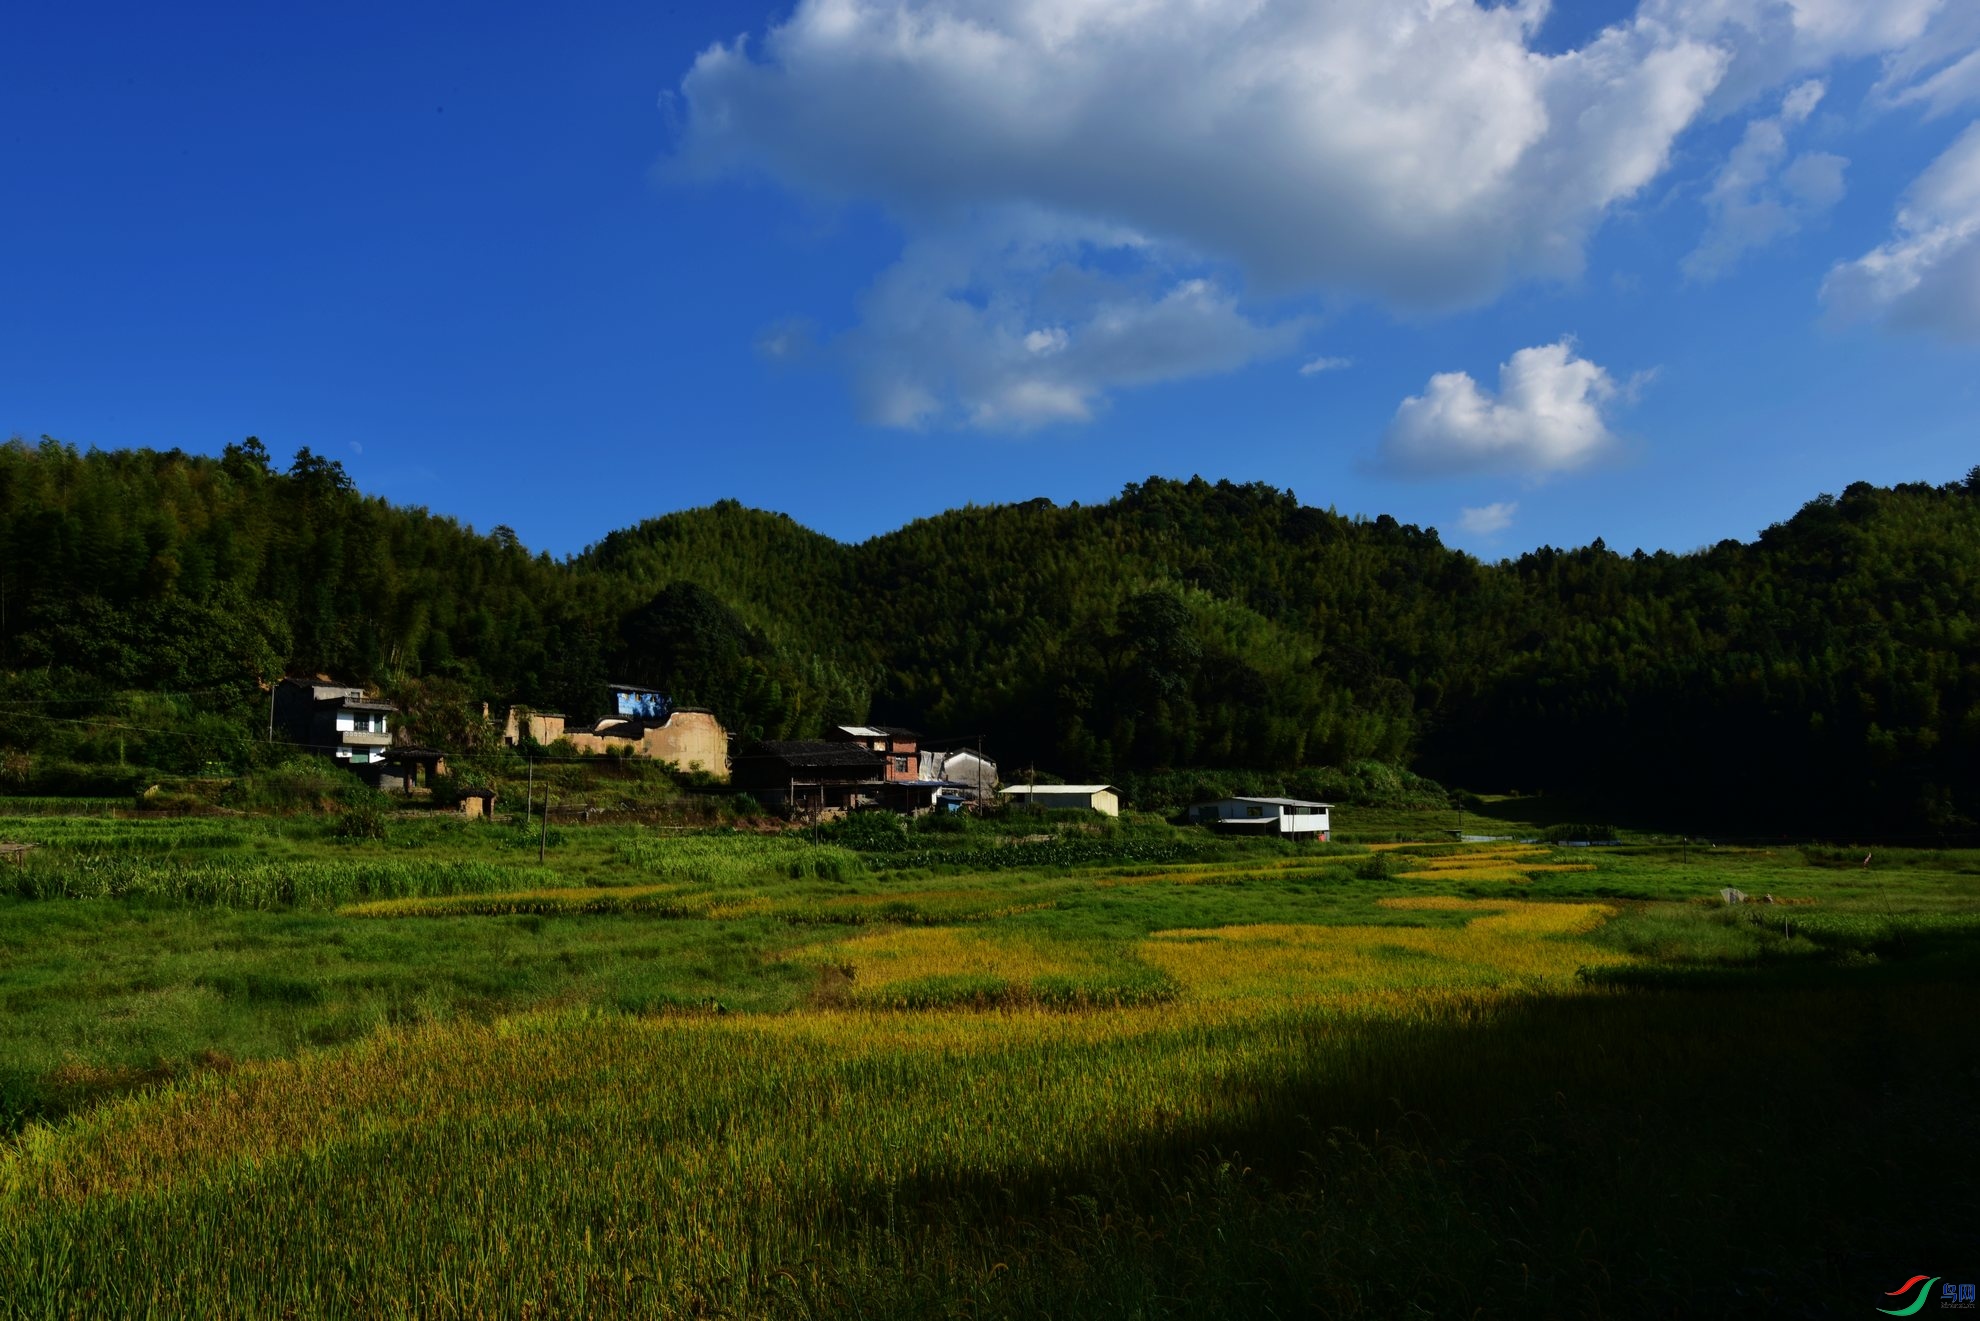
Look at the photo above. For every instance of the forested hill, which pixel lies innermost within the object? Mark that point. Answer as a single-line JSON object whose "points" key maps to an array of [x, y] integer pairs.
{"points": [[1827, 672]]}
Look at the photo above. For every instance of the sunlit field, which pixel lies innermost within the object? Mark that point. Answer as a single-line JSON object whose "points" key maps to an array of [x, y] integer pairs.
{"points": [[251, 1071]]}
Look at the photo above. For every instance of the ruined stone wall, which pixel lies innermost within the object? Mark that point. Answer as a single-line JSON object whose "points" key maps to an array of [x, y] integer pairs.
{"points": [[692, 740]]}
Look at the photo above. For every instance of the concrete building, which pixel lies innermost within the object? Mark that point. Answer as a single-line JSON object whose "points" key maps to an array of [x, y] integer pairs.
{"points": [[899, 748], [1266, 816], [1102, 798], [335, 720]]}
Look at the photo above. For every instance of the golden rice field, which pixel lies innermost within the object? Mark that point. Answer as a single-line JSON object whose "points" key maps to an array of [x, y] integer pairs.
{"points": [[1502, 946], [1514, 863], [1239, 1088]]}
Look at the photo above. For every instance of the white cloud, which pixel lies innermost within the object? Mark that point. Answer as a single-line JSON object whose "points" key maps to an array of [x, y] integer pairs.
{"points": [[789, 340], [1485, 520], [1951, 87], [1005, 326], [1770, 42], [1927, 277], [1315, 366], [1941, 68], [1420, 152], [1053, 339], [1756, 198], [1546, 418]]}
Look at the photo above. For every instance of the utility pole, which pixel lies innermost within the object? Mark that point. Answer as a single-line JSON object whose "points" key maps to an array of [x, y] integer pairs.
{"points": [[529, 797], [544, 838]]}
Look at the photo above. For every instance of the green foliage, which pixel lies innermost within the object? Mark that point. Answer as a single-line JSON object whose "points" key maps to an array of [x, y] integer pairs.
{"points": [[363, 814], [1570, 830], [300, 784], [1361, 783], [199, 1078], [1825, 674], [243, 883]]}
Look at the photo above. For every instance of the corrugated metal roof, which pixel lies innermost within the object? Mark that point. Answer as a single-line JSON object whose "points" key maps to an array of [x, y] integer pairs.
{"points": [[813, 752], [1276, 802], [1062, 789], [862, 731]]}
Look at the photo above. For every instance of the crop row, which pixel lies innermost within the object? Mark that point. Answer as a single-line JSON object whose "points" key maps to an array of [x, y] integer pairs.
{"points": [[238, 883]]}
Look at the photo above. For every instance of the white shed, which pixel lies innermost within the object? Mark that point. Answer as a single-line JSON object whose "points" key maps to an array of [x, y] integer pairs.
{"points": [[1102, 798], [1266, 816]]}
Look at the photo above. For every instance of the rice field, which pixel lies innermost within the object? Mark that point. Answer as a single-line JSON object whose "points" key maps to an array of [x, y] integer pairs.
{"points": [[766, 1077], [1514, 863]]}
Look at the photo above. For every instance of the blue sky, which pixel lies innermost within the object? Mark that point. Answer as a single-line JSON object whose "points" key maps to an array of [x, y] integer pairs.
{"points": [[863, 261]]}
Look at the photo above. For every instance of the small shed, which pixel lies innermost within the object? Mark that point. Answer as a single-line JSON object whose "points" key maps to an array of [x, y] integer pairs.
{"points": [[1266, 816], [1102, 798], [477, 804]]}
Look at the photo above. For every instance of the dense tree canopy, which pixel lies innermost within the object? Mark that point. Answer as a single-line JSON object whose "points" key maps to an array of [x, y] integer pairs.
{"points": [[1827, 671]]}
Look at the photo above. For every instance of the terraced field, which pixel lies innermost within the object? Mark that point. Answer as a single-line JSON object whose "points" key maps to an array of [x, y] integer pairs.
{"points": [[252, 1072]]}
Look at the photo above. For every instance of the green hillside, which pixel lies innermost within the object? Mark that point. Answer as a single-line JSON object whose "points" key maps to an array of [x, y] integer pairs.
{"points": [[1826, 674]]}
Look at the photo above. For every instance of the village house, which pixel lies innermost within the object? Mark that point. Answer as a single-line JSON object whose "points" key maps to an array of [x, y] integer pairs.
{"points": [[1102, 798], [643, 723], [354, 728], [335, 720], [1294, 817], [899, 748], [811, 775]]}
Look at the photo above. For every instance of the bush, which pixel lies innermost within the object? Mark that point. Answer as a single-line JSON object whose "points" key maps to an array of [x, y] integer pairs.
{"points": [[1568, 830], [301, 784], [362, 815], [868, 830], [1359, 783], [1378, 867], [33, 776]]}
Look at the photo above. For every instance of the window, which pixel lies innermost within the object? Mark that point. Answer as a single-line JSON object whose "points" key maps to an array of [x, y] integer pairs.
{"points": [[1254, 810]]}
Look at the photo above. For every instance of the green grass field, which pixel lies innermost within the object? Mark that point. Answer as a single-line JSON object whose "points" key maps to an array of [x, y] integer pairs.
{"points": [[1052, 1069]]}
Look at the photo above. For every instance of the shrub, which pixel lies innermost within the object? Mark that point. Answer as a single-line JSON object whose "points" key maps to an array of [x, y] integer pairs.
{"points": [[872, 831], [300, 784], [1378, 867], [1569, 830], [363, 812]]}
